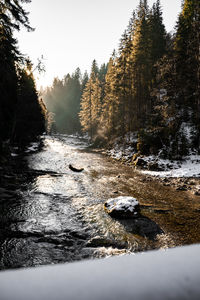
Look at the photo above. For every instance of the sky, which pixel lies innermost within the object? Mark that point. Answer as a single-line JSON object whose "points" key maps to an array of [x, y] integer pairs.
{"points": [[71, 33]]}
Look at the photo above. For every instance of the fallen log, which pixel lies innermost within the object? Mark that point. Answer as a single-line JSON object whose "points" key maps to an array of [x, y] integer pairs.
{"points": [[75, 169]]}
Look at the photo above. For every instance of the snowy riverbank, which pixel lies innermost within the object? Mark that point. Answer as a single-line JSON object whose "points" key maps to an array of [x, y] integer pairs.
{"points": [[153, 165], [183, 175]]}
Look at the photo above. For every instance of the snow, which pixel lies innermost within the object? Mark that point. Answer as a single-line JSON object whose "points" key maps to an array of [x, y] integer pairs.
{"points": [[189, 167], [131, 137], [163, 93], [169, 120], [120, 203], [123, 147], [187, 131], [116, 153], [14, 154], [33, 147]]}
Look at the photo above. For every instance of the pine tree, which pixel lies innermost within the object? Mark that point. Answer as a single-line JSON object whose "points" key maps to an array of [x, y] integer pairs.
{"points": [[8, 82], [84, 81], [96, 103], [86, 109], [157, 33], [91, 103], [30, 116], [94, 70], [110, 107], [142, 64]]}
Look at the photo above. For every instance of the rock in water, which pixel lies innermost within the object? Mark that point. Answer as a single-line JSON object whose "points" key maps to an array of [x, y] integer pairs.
{"points": [[122, 207]]}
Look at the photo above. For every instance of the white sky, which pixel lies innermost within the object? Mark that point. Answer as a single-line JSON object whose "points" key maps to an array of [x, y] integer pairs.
{"points": [[71, 33]]}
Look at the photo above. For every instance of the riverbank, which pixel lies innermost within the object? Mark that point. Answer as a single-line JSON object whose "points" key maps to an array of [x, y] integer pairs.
{"points": [[181, 175]]}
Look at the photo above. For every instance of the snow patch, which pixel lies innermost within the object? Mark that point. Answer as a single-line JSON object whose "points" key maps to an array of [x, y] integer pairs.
{"points": [[189, 167], [14, 154], [162, 94], [124, 147], [33, 147], [187, 131], [122, 203]]}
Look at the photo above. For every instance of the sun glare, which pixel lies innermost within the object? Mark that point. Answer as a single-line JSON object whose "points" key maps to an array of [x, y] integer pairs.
{"points": [[80, 32]]}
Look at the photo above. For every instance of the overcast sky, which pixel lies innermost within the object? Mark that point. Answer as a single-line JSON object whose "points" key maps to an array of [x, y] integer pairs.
{"points": [[71, 33]]}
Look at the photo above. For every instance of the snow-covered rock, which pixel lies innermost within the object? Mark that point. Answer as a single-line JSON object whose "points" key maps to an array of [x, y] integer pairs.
{"points": [[122, 207]]}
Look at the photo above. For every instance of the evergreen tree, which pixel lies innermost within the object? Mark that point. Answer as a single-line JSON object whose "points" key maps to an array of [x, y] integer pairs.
{"points": [[86, 109], [8, 82], [91, 102], [157, 33], [187, 53], [94, 70], [110, 107], [30, 116], [96, 103], [84, 81]]}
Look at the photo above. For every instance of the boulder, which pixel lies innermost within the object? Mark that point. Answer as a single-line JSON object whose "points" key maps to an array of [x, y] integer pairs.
{"points": [[122, 207]]}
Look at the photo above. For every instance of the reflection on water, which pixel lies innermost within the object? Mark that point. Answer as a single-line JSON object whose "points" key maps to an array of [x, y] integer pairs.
{"points": [[55, 215]]}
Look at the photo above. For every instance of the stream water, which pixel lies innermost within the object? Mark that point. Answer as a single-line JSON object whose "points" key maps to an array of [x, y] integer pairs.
{"points": [[50, 214]]}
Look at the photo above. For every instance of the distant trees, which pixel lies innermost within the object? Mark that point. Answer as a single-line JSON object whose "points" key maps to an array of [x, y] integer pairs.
{"points": [[76, 100], [91, 101], [12, 68], [63, 100]]}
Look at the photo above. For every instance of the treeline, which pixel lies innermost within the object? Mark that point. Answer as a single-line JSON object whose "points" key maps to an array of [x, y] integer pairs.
{"points": [[63, 101], [150, 87], [22, 114], [64, 96]]}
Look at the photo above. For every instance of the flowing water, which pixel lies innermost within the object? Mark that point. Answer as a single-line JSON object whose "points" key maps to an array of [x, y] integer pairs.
{"points": [[50, 214]]}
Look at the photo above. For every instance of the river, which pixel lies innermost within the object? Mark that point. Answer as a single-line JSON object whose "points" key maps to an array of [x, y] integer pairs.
{"points": [[50, 214]]}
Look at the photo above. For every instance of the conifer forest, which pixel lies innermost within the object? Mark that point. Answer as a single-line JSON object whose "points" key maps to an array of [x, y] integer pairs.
{"points": [[150, 87]]}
